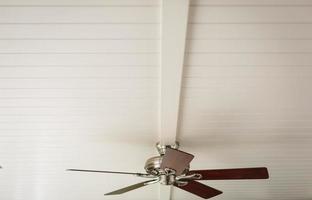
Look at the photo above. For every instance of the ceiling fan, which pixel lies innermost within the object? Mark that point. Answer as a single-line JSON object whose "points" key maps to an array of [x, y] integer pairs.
{"points": [[172, 167]]}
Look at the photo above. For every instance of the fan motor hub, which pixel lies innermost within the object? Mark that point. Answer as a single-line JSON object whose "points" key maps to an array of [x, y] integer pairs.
{"points": [[152, 165]]}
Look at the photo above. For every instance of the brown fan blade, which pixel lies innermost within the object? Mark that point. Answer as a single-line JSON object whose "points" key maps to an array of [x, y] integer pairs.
{"points": [[226, 174], [110, 172], [200, 189], [131, 187], [177, 160]]}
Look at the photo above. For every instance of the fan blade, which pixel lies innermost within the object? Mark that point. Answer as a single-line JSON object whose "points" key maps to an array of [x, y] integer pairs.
{"points": [[131, 187], [177, 160], [200, 189], [110, 172], [225, 174]]}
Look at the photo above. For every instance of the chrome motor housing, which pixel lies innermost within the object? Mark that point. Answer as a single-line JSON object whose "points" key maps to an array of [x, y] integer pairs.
{"points": [[152, 165], [165, 176]]}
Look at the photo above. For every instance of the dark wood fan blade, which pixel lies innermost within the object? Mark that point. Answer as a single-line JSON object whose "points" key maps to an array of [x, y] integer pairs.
{"points": [[200, 189], [228, 174], [177, 160], [110, 172], [129, 188]]}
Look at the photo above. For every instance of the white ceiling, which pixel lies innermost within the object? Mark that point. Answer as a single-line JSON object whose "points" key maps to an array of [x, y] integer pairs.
{"points": [[79, 88]]}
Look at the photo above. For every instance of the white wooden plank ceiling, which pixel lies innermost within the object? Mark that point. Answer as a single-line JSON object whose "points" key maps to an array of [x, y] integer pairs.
{"points": [[79, 87]]}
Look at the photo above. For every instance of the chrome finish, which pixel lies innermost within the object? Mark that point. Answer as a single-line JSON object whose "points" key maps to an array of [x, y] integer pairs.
{"points": [[162, 148], [169, 171], [152, 165], [189, 177], [166, 176], [181, 183], [167, 179], [147, 176]]}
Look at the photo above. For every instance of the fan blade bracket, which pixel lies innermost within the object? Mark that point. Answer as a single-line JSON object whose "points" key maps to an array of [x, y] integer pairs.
{"points": [[181, 183], [189, 177], [169, 171], [145, 175]]}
